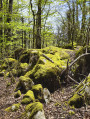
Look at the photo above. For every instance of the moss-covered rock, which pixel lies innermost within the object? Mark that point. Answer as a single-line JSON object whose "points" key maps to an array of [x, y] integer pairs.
{"points": [[38, 91], [32, 109], [83, 64], [2, 73], [48, 67], [80, 96], [18, 52], [24, 84], [13, 108], [28, 97], [17, 94]]}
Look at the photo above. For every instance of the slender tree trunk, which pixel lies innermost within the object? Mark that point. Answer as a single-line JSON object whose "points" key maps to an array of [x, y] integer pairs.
{"points": [[83, 22], [1, 32], [9, 19], [38, 25], [25, 40], [34, 24], [69, 26], [73, 25], [22, 19]]}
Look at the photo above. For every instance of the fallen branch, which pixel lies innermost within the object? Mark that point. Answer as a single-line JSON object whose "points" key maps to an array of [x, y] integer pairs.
{"points": [[48, 58], [72, 79]]}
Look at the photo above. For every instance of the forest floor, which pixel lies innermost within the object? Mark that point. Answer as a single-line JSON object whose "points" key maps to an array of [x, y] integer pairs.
{"points": [[56, 109]]}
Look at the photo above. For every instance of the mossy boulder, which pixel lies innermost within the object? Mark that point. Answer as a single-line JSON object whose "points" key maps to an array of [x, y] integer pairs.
{"points": [[17, 94], [32, 109], [9, 65], [18, 52], [48, 67], [28, 97], [81, 96], [45, 75], [83, 64], [38, 91], [24, 84], [31, 57], [13, 108]]}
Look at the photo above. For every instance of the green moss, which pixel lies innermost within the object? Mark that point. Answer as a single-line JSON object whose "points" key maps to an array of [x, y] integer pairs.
{"points": [[2, 72], [38, 91], [17, 94], [13, 108], [57, 104], [28, 97], [33, 108], [76, 100], [23, 65], [71, 112], [24, 84]]}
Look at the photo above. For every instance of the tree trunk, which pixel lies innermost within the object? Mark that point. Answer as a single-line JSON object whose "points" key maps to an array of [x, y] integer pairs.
{"points": [[38, 26], [9, 20], [73, 25], [83, 22], [22, 19], [1, 32]]}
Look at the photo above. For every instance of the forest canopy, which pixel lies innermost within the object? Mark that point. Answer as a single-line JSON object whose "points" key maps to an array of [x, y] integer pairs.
{"points": [[41, 23]]}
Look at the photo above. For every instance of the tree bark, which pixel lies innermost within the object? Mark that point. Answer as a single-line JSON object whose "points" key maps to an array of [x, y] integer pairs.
{"points": [[1, 32], [38, 26], [9, 20]]}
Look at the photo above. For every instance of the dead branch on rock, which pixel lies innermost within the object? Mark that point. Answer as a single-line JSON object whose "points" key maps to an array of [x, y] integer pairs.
{"points": [[48, 58]]}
